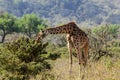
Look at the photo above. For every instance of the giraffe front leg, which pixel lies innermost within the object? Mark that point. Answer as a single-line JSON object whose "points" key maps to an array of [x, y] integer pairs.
{"points": [[69, 45], [70, 58]]}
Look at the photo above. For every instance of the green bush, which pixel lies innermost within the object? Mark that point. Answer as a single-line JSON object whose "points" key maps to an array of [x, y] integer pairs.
{"points": [[23, 58], [114, 43]]}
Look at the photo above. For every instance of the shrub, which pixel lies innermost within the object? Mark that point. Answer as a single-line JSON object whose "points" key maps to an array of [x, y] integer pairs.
{"points": [[23, 58]]}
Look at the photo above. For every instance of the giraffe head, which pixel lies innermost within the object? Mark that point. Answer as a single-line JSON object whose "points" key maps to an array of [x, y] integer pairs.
{"points": [[40, 36]]}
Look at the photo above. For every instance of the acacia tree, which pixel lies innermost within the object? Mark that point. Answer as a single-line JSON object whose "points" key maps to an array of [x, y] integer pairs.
{"points": [[99, 40], [7, 25], [31, 24]]}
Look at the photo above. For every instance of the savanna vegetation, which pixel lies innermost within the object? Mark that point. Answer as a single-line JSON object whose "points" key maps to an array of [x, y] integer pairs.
{"points": [[22, 59]]}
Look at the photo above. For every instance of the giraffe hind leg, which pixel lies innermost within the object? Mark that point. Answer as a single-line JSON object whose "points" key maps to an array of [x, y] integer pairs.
{"points": [[85, 54], [80, 56], [85, 57]]}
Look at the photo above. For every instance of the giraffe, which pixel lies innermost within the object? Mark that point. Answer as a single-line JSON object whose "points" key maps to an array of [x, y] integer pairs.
{"points": [[76, 38]]}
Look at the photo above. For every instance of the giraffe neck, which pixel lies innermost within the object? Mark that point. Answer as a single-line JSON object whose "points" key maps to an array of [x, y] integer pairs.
{"points": [[64, 29]]}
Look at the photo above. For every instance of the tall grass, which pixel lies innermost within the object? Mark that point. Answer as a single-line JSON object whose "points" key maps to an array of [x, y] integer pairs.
{"points": [[107, 68]]}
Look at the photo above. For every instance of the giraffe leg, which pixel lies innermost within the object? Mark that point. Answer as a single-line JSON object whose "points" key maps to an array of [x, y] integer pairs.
{"points": [[69, 45], [80, 57], [81, 61], [70, 56], [81, 72], [80, 69], [86, 47]]}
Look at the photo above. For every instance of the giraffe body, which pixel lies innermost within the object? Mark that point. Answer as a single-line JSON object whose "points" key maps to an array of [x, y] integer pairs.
{"points": [[76, 38]]}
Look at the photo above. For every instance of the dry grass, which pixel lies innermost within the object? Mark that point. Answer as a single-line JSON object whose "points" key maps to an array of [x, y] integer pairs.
{"points": [[105, 69], [101, 70]]}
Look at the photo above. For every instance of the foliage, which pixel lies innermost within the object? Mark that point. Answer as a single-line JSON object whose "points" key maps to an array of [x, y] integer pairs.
{"points": [[7, 24], [31, 24], [114, 43], [101, 39], [24, 58], [107, 31], [79, 10]]}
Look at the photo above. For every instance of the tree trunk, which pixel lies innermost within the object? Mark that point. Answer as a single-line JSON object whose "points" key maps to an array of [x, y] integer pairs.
{"points": [[3, 37]]}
